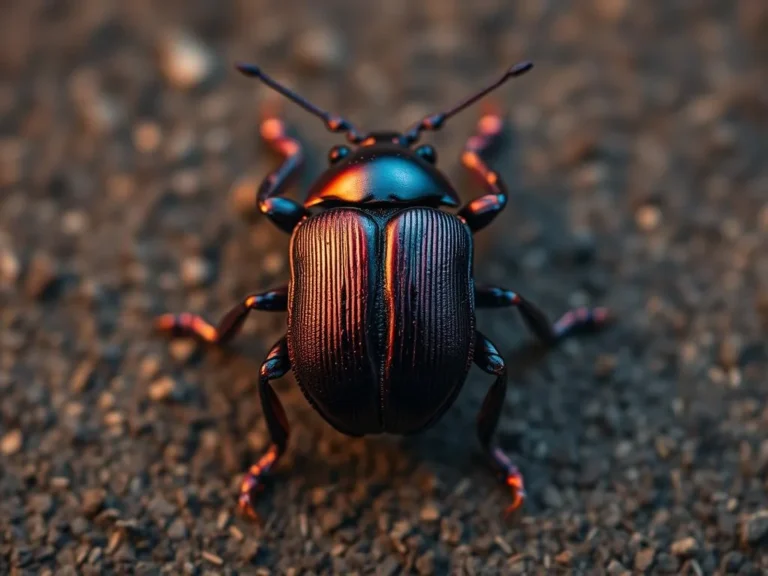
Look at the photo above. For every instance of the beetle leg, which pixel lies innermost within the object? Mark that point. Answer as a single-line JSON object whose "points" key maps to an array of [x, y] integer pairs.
{"points": [[481, 211], [488, 359], [276, 364], [570, 323], [283, 212], [189, 325]]}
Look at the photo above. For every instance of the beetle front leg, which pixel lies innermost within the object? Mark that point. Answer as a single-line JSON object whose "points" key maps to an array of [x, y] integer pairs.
{"points": [[190, 325], [480, 212], [283, 212], [569, 324], [276, 364], [488, 359]]}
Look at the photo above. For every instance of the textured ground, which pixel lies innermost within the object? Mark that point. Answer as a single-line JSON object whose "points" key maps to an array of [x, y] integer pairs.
{"points": [[638, 175]]}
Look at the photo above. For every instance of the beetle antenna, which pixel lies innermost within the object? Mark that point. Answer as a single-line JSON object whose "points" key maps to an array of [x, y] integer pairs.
{"points": [[332, 122], [435, 121]]}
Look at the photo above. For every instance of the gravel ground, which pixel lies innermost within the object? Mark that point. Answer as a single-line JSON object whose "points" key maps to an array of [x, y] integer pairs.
{"points": [[636, 162]]}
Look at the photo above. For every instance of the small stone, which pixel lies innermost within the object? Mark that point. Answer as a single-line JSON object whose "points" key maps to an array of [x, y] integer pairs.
{"points": [[249, 549], [93, 501], [11, 442], [186, 183], [730, 351], [564, 558], [195, 271], [60, 483], [648, 218], [644, 559], [685, 547], [430, 513], [41, 276], [177, 530], [755, 528], [213, 558], [74, 222], [147, 137], [10, 269], [320, 48], [425, 564], [162, 389], [330, 520], [185, 61], [82, 377], [181, 349]]}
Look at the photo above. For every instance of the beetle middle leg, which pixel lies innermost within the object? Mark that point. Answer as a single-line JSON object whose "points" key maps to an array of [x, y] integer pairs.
{"points": [[283, 212], [186, 325], [276, 364], [488, 359], [537, 322], [481, 211]]}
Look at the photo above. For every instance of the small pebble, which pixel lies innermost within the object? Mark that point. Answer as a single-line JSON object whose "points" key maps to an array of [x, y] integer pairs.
{"points": [[184, 60], [162, 389], [11, 442], [177, 530], [10, 268], [685, 547], [147, 137], [42, 274], [213, 558], [93, 501], [644, 559], [564, 558], [648, 218], [430, 513], [195, 271]]}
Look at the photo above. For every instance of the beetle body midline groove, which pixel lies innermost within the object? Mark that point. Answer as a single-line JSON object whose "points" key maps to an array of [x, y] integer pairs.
{"points": [[353, 272]]}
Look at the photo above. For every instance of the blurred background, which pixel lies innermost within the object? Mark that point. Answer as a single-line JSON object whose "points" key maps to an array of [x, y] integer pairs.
{"points": [[635, 159]]}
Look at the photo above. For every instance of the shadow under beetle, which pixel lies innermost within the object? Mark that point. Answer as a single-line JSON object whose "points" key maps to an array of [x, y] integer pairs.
{"points": [[381, 300]]}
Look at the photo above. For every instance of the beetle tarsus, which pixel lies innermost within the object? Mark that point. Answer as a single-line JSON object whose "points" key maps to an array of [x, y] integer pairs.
{"points": [[481, 211], [192, 326], [537, 322], [489, 360], [276, 364], [283, 212]]}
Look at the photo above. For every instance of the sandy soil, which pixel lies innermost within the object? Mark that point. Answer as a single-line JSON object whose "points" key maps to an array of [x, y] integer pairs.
{"points": [[636, 163]]}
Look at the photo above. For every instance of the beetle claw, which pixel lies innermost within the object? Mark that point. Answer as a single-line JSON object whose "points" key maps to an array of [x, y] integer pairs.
{"points": [[515, 482]]}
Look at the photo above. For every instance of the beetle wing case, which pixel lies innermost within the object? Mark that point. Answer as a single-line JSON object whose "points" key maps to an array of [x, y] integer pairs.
{"points": [[381, 316]]}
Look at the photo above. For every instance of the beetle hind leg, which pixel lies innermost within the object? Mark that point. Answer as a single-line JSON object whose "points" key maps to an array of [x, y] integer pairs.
{"points": [[549, 333], [186, 325], [276, 364], [283, 212], [481, 211], [488, 359]]}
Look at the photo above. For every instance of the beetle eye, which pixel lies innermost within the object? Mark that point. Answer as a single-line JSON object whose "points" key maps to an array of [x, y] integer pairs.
{"points": [[338, 153], [427, 153]]}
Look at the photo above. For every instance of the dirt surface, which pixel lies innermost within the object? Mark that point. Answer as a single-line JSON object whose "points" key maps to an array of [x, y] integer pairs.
{"points": [[637, 168]]}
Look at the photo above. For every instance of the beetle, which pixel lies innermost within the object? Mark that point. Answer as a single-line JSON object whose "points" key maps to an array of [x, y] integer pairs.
{"points": [[381, 301]]}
